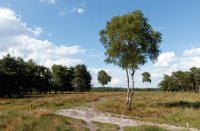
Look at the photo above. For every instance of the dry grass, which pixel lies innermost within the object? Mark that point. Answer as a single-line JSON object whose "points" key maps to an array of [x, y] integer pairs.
{"points": [[37, 113], [173, 108], [144, 128], [105, 126]]}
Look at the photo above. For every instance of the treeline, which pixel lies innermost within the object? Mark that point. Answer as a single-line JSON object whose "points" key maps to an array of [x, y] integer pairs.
{"points": [[182, 81], [106, 89], [120, 89], [18, 78]]}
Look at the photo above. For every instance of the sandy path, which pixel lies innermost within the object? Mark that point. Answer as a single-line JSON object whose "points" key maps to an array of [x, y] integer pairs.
{"points": [[88, 115]]}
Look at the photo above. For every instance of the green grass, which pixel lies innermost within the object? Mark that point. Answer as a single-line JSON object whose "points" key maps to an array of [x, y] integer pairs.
{"points": [[105, 126], [144, 128]]}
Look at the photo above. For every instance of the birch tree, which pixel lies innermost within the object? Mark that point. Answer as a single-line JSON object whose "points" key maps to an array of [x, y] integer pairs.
{"points": [[129, 41], [146, 77], [103, 78]]}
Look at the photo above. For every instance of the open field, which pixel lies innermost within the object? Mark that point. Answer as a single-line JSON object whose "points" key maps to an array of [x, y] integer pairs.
{"points": [[179, 109], [38, 112]]}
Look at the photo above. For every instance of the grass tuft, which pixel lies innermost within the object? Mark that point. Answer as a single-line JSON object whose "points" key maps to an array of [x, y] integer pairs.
{"points": [[144, 128], [105, 126]]}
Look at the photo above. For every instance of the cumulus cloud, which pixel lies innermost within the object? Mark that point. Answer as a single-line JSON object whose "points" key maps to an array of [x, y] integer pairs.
{"points": [[188, 62], [19, 40], [189, 58], [192, 52], [165, 59], [11, 25], [167, 63]]}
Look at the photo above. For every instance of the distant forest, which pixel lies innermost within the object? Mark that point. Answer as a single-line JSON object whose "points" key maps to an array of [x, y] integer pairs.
{"points": [[18, 78], [121, 89], [182, 81]]}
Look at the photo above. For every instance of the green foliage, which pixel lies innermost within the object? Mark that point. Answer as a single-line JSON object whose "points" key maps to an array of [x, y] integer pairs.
{"points": [[82, 78], [146, 77], [103, 78], [14, 76], [129, 40], [182, 81], [120, 89], [18, 78], [62, 78]]}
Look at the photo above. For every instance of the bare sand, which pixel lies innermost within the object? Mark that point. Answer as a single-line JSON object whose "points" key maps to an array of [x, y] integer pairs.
{"points": [[90, 114]]}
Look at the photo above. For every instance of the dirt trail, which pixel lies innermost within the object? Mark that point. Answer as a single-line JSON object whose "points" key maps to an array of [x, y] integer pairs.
{"points": [[91, 114]]}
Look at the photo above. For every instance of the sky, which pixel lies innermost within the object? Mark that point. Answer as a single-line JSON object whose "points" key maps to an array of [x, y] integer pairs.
{"points": [[66, 32]]}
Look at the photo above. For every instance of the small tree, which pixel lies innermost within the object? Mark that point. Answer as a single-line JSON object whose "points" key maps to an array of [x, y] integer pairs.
{"points": [[103, 78], [146, 77]]}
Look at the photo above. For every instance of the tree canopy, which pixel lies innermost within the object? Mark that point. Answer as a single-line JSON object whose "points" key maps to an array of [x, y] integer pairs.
{"points": [[146, 77], [82, 78], [182, 81], [103, 78], [129, 41], [18, 77]]}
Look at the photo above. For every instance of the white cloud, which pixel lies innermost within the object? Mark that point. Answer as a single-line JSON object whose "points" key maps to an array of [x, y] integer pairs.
{"points": [[7, 14], [165, 59], [115, 81], [188, 62], [167, 63], [79, 10], [62, 61], [189, 58], [192, 52], [48, 1], [19, 40], [10, 24], [37, 31]]}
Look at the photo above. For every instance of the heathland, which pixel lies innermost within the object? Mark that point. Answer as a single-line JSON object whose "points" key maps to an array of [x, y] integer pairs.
{"points": [[37, 112]]}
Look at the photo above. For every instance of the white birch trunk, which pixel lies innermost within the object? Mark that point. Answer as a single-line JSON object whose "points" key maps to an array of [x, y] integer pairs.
{"points": [[131, 93], [128, 88]]}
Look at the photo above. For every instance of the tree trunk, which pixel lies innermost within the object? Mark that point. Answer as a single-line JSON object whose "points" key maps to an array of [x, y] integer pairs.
{"points": [[131, 93], [128, 88], [199, 87]]}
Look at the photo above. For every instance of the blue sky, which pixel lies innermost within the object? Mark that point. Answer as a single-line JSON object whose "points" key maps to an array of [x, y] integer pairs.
{"points": [[67, 32]]}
